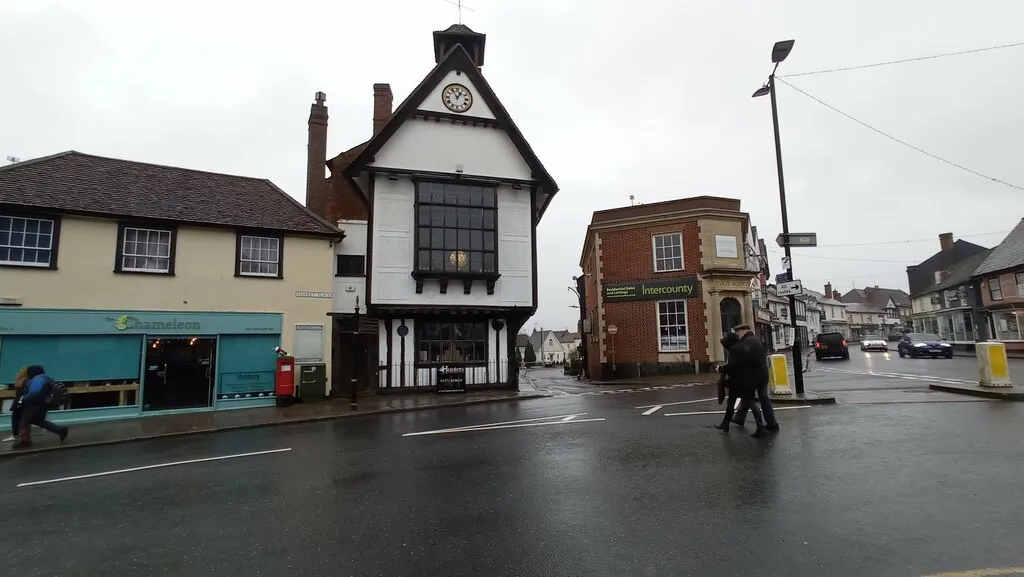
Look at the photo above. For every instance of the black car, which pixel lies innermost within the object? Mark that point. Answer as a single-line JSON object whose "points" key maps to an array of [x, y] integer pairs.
{"points": [[831, 345], [916, 345]]}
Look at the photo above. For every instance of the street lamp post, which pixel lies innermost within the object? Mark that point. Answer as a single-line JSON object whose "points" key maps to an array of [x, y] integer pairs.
{"points": [[779, 53], [354, 380]]}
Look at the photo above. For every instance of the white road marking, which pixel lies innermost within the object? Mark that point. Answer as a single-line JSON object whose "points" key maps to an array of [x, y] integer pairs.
{"points": [[722, 412], [569, 418], [470, 427], [678, 403], [494, 427], [900, 376], [652, 410], [146, 467]]}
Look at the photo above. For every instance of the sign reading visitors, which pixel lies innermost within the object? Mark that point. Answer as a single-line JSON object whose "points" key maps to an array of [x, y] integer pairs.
{"points": [[451, 379], [655, 290]]}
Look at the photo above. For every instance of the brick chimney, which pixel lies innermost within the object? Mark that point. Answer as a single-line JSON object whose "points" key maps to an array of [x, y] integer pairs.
{"points": [[828, 290], [837, 295], [316, 157], [382, 103], [946, 241]]}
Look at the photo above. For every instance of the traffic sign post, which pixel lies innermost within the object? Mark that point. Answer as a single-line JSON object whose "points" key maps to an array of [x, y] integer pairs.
{"points": [[808, 239], [612, 329], [791, 288]]}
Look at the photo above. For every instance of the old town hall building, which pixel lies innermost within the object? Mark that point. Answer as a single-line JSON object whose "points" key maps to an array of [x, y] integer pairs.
{"points": [[448, 194]]}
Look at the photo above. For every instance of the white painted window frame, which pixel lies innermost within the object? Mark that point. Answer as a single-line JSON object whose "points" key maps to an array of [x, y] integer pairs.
{"points": [[685, 325], [48, 248], [654, 252], [160, 232]]}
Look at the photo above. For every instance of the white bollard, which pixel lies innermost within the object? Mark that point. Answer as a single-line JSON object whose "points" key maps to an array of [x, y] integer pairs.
{"points": [[778, 375], [993, 370]]}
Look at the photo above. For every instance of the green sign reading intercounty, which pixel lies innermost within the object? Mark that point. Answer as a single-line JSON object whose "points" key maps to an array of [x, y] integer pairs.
{"points": [[653, 290]]}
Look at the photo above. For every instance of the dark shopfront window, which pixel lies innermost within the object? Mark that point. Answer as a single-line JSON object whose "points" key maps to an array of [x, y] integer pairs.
{"points": [[447, 342], [457, 228]]}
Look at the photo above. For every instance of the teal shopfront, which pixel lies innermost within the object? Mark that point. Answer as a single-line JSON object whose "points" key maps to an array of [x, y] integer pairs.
{"points": [[122, 364]]}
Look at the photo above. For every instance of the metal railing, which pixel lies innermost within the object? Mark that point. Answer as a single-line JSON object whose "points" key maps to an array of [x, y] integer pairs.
{"points": [[410, 377]]}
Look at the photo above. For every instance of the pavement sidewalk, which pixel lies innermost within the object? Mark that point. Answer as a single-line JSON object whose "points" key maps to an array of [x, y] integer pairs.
{"points": [[162, 426]]}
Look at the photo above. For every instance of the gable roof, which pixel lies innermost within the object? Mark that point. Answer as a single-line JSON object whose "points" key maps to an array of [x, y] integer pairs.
{"points": [[1008, 254], [877, 297], [960, 273], [821, 298], [922, 276], [863, 308], [77, 183], [456, 59], [566, 337]]}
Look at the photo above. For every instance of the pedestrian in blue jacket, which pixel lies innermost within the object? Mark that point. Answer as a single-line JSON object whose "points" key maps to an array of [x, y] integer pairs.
{"points": [[33, 407]]}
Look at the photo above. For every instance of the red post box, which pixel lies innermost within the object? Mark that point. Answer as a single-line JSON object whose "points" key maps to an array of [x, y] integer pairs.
{"points": [[284, 381]]}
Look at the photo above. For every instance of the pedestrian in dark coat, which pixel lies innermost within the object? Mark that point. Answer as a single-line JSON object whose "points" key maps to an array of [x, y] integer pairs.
{"points": [[34, 408], [745, 369], [761, 386], [728, 341]]}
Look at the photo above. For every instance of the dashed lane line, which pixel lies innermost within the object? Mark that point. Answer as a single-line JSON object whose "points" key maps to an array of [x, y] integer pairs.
{"points": [[537, 422]]}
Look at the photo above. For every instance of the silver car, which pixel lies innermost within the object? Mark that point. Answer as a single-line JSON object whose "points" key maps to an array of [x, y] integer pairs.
{"points": [[873, 343]]}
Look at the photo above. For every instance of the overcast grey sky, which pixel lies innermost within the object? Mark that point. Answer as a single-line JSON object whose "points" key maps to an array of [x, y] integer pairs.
{"points": [[646, 98]]}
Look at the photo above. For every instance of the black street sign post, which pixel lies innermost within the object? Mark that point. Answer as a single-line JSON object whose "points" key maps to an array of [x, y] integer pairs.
{"points": [[796, 239]]}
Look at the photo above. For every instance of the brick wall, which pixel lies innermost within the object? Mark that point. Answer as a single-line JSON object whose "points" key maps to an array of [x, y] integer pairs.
{"points": [[1008, 284], [626, 255], [343, 202]]}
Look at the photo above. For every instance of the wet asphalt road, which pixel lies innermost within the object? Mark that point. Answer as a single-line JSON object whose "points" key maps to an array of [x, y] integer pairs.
{"points": [[890, 489]]}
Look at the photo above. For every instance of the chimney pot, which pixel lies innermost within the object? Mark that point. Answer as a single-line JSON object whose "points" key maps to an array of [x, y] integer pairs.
{"points": [[946, 241]]}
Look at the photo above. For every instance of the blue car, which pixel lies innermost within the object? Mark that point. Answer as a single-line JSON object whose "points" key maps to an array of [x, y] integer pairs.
{"points": [[916, 345]]}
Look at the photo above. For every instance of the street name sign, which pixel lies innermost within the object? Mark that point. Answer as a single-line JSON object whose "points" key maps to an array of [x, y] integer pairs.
{"points": [[785, 289], [809, 239], [782, 277]]}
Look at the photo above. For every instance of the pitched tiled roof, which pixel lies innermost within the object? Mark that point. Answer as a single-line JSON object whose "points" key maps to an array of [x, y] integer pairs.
{"points": [[821, 298], [863, 308], [922, 276], [567, 337], [1009, 253], [79, 183], [960, 273], [878, 297]]}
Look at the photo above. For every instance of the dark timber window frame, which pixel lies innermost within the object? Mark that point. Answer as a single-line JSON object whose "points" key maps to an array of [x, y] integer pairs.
{"points": [[468, 225], [477, 335], [54, 234], [350, 265]]}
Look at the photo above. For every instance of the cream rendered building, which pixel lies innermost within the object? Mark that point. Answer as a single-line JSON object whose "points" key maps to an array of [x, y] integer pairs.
{"points": [[150, 289]]}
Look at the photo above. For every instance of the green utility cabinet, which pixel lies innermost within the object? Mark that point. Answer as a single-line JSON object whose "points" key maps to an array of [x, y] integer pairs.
{"points": [[312, 381]]}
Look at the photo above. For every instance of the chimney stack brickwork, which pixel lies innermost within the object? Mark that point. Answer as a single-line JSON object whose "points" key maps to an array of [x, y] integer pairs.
{"points": [[828, 290], [946, 241], [316, 157], [383, 101]]}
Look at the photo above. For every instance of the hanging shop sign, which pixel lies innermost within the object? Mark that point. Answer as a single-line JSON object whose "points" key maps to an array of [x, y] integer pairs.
{"points": [[653, 290]]}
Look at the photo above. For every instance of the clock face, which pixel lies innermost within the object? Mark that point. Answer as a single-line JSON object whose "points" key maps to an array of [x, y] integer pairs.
{"points": [[457, 98]]}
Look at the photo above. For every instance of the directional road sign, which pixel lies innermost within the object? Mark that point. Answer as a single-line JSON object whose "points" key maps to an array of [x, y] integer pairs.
{"points": [[785, 289], [797, 239]]}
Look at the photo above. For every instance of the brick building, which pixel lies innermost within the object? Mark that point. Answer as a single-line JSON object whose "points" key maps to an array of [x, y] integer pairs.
{"points": [[671, 277]]}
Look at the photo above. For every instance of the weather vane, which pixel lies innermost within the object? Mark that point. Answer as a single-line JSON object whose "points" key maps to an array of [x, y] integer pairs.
{"points": [[458, 4]]}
